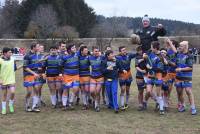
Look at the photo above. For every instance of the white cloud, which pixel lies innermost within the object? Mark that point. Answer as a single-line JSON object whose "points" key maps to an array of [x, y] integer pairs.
{"points": [[184, 10]]}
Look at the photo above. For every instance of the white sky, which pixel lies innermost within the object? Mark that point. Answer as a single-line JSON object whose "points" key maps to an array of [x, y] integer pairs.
{"points": [[183, 10]]}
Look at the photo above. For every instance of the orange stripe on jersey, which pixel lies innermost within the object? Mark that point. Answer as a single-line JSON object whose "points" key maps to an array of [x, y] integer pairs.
{"points": [[125, 76]]}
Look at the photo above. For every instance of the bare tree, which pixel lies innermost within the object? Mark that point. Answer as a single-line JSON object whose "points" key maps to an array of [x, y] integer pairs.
{"points": [[7, 19], [66, 32], [109, 29], [45, 18]]}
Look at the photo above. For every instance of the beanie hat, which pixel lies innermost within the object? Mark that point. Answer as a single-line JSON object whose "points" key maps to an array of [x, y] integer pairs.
{"points": [[145, 18]]}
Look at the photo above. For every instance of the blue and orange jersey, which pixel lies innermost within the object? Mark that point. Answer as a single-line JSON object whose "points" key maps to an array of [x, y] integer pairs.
{"points": [[31, 61], [70, 63], [141, 63], [84, 65], [157, 64], [53, 65], [184, 60], [172, 58], [96, 66], [126, 60]]}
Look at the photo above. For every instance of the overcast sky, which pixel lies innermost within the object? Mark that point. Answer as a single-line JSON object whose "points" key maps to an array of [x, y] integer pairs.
{"points": [[183, 10]]}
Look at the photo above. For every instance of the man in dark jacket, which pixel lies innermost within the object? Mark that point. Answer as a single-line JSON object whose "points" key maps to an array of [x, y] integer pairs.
{"points": [[149, 33], [111, 67]]}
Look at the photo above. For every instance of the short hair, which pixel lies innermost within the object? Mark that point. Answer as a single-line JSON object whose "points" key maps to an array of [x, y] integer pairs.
{"points": [[139, 48], [6, 49], [53, 47], [155, 45], [61, 42], [33, 45], [121, 47], [95, 47], [108, 52], [175, 43], [82, 48], [69, 47]]}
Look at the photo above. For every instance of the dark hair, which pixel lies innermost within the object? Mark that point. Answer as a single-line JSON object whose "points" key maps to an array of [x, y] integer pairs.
{"points": [[95, 48], [108, 52], [82, 48], [121, 47], [155, 45], [61, 42], [53, 47], [175, 43], [6, 49], [163, 49], [33, 45], [70, 47], [139, 48]]}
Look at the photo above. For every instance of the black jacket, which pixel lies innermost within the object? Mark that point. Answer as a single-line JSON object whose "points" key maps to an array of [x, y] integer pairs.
{"points": [[149, 34]]}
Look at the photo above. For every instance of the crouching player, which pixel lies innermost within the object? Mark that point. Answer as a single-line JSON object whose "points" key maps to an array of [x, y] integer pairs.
{"points": [[7, 72], [184, 62], [53, 73], [111, 66]]}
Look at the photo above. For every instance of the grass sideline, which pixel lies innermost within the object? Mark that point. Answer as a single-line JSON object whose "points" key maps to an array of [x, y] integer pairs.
{"points": [[89, 122]]}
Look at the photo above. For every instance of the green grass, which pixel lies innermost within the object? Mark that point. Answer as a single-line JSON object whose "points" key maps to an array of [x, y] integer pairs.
{"points": [[89, 122]]}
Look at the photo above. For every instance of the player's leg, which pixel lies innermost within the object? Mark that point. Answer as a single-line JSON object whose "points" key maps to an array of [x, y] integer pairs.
{"points": [[141, 87], [98, 96], [188, 89], [108, 87], [122, 94], [11, 89], [114, 89], [3, 100], [52, 88]]}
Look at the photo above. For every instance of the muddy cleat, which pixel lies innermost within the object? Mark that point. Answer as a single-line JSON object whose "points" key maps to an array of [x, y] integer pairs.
{"points": [[36, 109], [123, 108], [97, 109], [162, 112], [3, 111], [126, 106], [42, 103], [54, 106], [28, 109], [85, 107]]}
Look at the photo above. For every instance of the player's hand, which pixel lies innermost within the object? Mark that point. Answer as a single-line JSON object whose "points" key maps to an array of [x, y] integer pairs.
{"points": [[124, 71], [143, 71], [178, 69], [36, 75], [60, 75], [145, 56], [148, 66], [110, 68]]}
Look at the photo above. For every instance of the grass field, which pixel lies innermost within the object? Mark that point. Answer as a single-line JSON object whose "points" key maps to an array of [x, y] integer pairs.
{"points": [[89, 122]]}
